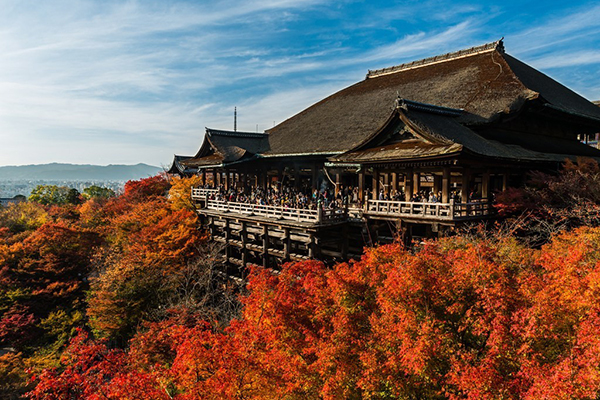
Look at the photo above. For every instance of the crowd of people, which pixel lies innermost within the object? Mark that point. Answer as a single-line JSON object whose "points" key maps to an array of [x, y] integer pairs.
{"points": [[306, 198]]}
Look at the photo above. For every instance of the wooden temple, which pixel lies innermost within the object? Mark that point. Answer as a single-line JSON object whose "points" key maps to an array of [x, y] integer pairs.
{"points": [[461, 126]]}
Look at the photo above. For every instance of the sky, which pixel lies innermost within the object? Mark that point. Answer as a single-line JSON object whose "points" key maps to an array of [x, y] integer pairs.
{"points": [[127, 82]]}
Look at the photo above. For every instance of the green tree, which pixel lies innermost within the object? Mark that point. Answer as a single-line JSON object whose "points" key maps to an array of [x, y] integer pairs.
{"points": [[54, 195], [97, 192]]}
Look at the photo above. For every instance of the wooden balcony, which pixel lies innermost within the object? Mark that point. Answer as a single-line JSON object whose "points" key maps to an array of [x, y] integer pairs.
{"points": [[450, 212], [416, 211], [277, 212]]}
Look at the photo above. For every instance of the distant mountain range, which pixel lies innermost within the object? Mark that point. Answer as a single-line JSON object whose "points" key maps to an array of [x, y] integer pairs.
{"points": [[75, 172]]}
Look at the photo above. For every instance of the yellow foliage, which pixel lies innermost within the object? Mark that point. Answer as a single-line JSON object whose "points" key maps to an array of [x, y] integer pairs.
{"points": [[180, 192]]}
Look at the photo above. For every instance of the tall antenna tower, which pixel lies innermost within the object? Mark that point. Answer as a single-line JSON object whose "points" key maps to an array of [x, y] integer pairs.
{"points": [[235, 119]]}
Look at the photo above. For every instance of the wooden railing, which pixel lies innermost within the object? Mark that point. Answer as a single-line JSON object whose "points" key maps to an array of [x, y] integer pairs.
{"points": [[275, 212], [425, 211], [202, 194], [429, 211]]}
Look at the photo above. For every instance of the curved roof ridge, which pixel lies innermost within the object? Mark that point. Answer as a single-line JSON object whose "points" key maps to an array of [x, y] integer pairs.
{"points": [[497, 45]]}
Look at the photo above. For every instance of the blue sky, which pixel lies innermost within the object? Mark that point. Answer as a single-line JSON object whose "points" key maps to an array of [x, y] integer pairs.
{"points": [[104, 82]]}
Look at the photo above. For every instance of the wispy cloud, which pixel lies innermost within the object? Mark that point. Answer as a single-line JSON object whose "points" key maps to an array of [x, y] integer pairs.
{"points": [[135, 81]]}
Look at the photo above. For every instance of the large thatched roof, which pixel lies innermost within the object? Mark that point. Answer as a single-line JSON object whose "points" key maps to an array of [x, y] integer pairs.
{"points": [[484, 81]]}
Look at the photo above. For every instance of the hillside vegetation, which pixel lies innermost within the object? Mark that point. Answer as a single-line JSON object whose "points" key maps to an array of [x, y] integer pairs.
{"points": [[121, 298]]}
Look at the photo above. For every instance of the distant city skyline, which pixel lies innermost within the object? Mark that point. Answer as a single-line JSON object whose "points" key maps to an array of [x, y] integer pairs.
{"points": [[127, 82]]}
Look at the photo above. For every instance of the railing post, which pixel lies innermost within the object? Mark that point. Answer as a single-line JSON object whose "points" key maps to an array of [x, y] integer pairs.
{"points": [[451, 209], [319, 214]]}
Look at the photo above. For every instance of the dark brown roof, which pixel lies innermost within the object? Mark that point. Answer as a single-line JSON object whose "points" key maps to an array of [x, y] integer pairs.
{"points": [[178, 168], [440, 134], [221, 147], [484, 81]]}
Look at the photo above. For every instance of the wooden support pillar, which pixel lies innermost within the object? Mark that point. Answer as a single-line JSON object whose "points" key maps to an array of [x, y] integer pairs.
{"points": [[394, 181], [375, 185], [219, 176], [265, 253], [227, 241], [203, 177], [416, 182], [408, 184], [361, 186], [244, 237], [226, 180], [338, 181], [446, 185], [466, 180], [315, 177], [386, 183], [287, 243], [504, 181], [485, 185]]}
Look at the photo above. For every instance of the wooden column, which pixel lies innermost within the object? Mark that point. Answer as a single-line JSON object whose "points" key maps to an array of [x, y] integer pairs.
{"points": [[446, 185], [408, 183], [466, 179], [416, 182], [244, 237], [226, 183], [394, 181], [203, 177], [361, 186], [287, 243], [386, 183], [219, 176], [485, 185], [227, 241], [375, 184], [337, 184], [265, 246], [504, 181]]}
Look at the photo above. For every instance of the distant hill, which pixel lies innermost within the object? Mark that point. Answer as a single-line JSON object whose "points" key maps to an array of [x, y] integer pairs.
{"points": [[75, 172]]}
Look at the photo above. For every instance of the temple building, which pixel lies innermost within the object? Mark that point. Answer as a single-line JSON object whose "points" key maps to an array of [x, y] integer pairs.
{"points": [[424, 145]]}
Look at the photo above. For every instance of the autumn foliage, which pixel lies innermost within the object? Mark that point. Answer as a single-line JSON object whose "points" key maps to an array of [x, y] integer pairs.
{"points": [[122, 298], [457, 319]]}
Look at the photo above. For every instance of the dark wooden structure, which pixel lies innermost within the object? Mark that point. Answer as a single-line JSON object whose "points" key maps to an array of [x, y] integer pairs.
{"points": [[464, 125]]}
